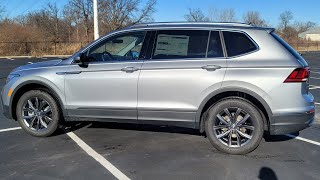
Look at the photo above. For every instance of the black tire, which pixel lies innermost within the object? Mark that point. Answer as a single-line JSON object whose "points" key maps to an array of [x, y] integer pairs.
{"points": [[254, 122], [54, 115]]}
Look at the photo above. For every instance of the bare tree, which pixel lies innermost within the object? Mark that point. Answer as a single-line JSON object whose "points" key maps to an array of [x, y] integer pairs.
{"points": [[254, 18], [195, 15], [227, 15], [304, 26], [2, 10], [83, 9], [285, 19], [53, 12], [115, 14]]}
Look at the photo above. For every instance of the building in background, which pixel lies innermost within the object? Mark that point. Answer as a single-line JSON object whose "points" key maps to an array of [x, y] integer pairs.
{"points": [[311, 35]]}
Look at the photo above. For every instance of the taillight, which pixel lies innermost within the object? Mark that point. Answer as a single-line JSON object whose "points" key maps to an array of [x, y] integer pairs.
{"points": [[298, 75]]}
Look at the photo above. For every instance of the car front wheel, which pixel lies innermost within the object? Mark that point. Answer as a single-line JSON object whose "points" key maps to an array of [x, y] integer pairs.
{"points": [[38, 113]]}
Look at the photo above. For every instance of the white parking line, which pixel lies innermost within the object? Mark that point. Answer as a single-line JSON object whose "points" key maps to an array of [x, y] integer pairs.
{"points": [[304, 139], [317, 103], [314, 87], [315, 72], [105, 163], [314, 78], [10, 129]]}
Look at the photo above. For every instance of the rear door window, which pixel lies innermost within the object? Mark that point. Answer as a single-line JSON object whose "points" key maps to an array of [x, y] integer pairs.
{"points": [[238, 43], [177, 44]]}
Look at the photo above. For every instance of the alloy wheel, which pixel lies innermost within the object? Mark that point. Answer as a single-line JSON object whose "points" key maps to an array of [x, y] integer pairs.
{"points": [[37, 114], [233, 127]]}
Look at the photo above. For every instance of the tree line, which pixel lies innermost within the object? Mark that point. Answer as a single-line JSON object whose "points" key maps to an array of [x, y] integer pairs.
{"points": [[74, 22], [288, 28]]}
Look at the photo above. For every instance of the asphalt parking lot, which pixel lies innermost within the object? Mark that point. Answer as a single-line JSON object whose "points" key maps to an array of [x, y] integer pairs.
{"points": [[124, 151]]}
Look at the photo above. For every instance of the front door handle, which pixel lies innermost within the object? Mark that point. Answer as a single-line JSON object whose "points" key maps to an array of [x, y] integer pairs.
{"points": [[129, 69], [70, 72], [211, 67]]}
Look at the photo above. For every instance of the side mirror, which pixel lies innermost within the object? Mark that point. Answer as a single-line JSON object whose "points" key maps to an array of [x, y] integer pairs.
{"points": [[81, 60], [77, 60]]}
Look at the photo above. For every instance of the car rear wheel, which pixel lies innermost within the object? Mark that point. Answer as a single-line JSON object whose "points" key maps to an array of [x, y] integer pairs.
{"points": [[234, 126], [38, 113]]}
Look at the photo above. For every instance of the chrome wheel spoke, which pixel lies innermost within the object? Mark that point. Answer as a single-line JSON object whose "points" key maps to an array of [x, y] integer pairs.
{"points": [[230, 139], [46, 110], [237, 113], [244, 135], [238, 139], [44, 124], [220, 127], [223, 134], [243, 120], [247, 127], [222, 120], [31, 105], [47, 118], [228, 113], [38, 123], [28, 117], [37, 103], [28, 109], [32, 122]]}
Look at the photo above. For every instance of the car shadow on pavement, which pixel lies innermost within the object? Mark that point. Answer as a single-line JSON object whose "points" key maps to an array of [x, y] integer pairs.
{"points": [[277, 138], [73, 126], [69, 127], [267, 174], [145, 127]]}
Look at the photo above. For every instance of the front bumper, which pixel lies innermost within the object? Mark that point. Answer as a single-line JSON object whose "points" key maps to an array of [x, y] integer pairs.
{"points": [[5, 109], [290, 123]]}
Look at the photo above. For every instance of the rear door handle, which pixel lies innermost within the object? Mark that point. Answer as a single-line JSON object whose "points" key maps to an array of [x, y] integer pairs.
{"points": [[129, 69], [211, 67]]}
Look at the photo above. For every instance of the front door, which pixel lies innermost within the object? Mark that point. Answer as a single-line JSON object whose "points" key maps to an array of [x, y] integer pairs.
{"points": [[107, 87]]}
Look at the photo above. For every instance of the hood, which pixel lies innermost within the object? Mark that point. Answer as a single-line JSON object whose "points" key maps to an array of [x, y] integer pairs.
{"points": [[38, 65]]}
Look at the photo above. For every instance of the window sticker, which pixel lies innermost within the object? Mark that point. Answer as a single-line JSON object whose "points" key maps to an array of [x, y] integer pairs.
{"points": [[172, 45]]}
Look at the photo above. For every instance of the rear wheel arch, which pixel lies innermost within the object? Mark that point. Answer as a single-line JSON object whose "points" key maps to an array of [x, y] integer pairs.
{"points": [[232, 92], [33, 85]]}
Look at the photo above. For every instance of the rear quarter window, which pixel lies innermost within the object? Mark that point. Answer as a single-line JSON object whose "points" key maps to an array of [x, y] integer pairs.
{"points": [[238, 43]]}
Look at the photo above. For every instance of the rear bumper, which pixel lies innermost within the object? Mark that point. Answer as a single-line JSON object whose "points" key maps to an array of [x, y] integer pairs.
{"points": [[290, 123]]}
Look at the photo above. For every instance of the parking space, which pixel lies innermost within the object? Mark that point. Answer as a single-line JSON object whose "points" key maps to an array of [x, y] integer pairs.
{"points": [[111, 151]]}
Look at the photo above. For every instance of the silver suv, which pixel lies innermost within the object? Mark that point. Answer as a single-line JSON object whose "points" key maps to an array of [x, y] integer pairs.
{"points": [[232, 81]]}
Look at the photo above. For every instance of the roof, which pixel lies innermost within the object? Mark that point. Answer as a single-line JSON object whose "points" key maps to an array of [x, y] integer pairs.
{"points": [[311, 31], [222, 25]]}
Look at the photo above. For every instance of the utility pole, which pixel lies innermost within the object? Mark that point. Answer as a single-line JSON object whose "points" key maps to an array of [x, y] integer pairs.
{"points": [[95, 19]]}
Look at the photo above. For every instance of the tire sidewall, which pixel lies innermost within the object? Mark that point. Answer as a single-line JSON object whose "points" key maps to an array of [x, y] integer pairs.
{"points": [[54, 108], [256, 119]]}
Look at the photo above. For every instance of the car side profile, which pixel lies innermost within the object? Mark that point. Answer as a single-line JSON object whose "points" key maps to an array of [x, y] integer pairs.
{"points": [[232, 81]]}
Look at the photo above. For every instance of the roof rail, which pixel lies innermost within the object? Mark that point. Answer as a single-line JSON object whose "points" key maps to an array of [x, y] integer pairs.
{"points": [[184, 22]]}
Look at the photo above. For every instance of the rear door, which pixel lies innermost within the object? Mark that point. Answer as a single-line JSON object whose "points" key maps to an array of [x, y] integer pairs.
{"points": [[185, 66]]}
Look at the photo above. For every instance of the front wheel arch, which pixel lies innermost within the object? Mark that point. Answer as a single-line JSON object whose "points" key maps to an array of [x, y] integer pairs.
{"points": [[34, 85]]}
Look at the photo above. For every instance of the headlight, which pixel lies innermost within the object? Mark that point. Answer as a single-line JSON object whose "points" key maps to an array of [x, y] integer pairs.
{"points": [[11, 76]]}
